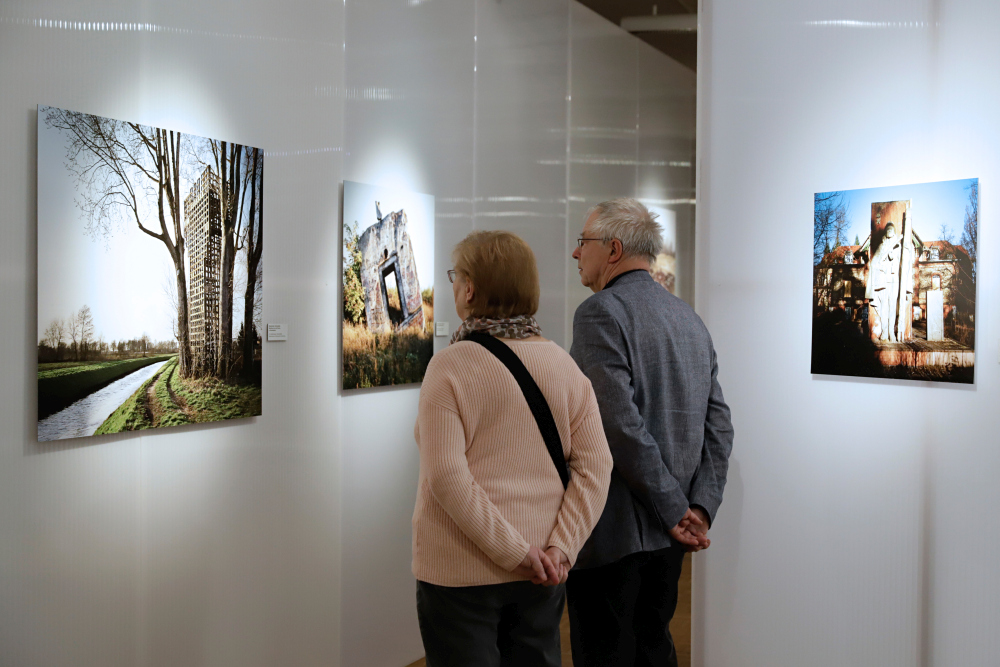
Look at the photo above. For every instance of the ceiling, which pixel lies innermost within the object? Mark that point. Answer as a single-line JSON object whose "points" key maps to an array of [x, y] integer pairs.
{"points": [[681, 46]]}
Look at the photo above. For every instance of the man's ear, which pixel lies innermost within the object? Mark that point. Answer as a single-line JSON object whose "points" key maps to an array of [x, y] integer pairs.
{"points": [[617, 251]]}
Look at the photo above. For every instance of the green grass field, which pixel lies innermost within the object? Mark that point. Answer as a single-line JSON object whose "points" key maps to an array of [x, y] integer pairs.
{"points": [[166, 399], [61, 384]]}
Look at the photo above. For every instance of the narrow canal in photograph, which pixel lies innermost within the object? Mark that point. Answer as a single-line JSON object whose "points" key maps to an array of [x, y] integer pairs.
{"points": [[86, 415]]}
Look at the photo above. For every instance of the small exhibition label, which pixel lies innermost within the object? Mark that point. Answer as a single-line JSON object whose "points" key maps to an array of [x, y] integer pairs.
{"points": [[276, 332]]}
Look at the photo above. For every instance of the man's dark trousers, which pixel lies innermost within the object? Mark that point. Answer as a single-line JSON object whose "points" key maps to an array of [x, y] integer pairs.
{"points": [[619, 613]]}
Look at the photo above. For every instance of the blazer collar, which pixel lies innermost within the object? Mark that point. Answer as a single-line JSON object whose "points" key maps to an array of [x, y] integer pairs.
{"points": [[622, 275]]}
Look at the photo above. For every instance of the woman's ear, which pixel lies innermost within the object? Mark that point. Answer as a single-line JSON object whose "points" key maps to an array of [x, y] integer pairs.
{"points": [[470, 292]]}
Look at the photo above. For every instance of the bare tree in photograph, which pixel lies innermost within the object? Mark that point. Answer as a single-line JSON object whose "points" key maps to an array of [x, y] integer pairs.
{"points": [[945, 234], [970, 230], [121, 168], [73, 330], [228, 158], [85, 319], [830, 224], [253, 244], [54, 336]]}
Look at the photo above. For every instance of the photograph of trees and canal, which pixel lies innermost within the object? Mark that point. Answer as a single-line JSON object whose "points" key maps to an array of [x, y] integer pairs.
{"points": [[150, 276]]}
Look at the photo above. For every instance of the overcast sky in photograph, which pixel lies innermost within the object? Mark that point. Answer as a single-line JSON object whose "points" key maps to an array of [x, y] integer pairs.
{"points": [[359, 206]]}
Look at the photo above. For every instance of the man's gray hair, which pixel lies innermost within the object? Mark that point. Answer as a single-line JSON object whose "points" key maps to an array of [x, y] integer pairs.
{"points": [[629, 221]]}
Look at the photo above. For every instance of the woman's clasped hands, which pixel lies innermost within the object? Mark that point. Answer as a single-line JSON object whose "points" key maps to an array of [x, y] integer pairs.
{"points": [[548, 568]]}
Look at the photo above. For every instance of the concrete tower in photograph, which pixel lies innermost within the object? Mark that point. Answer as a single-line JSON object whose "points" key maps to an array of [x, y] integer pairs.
{"points": [[203, 236]]}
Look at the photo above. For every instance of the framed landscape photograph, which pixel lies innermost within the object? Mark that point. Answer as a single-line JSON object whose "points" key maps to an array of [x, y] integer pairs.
{"points": [[388, 286], [894, 281], [150, 276]]}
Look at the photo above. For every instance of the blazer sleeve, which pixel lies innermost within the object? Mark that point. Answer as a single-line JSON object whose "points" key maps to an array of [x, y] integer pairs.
{"points": [[600, 351], [442, 441], [710, 479]]}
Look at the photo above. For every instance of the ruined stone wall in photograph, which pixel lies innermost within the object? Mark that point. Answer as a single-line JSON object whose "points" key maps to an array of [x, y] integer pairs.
{"points": [[386, 250]]}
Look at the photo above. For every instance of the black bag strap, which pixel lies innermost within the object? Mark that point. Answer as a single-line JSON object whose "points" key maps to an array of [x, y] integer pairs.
{"points": [[536, 400]]}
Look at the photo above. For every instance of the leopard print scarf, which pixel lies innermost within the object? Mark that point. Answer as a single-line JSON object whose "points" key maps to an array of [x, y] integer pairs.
{"points": [[522, 326]]}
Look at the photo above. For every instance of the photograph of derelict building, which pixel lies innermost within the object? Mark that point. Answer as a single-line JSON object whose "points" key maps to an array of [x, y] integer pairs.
{"points": [[388, 278], [150, 276], [894, 282]]}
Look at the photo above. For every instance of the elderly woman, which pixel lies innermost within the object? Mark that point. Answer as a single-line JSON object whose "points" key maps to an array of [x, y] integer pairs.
{"points": [[494, 529]]}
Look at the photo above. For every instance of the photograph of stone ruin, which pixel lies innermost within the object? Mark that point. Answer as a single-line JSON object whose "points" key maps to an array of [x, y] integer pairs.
{"points": [[900, 302], [387, 316]]}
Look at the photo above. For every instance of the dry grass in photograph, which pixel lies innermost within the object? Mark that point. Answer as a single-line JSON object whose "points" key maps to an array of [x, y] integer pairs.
{"points": [[373, 360]]}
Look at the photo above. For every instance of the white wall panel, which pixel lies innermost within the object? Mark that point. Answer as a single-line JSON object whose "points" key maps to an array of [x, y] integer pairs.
{"points": [[200, 545], [842, 539]]}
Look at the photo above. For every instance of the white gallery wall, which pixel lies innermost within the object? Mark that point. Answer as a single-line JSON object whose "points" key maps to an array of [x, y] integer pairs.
{"points": [[209, 545], [859, 526], [285, 539]]}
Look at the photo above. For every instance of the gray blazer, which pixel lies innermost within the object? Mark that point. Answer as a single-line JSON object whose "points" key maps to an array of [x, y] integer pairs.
{"points": [[653, 367]]}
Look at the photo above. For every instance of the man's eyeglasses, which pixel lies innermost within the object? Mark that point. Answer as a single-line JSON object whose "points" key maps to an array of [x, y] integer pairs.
{"points": [[451, 275], [580, 241]]}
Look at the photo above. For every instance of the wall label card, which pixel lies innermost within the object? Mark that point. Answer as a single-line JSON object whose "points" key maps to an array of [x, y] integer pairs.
{"points": [[277, 332]]}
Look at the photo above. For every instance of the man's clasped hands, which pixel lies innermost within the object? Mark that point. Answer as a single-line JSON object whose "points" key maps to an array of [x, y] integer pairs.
{"points": [[551, 566]]}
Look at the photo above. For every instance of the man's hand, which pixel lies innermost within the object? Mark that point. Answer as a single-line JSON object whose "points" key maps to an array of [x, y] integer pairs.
{"points": [[701, 530], [538, 567], [561, 561], [691, 530]]}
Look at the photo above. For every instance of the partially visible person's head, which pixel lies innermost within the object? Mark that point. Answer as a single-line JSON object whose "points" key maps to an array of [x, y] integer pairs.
{"points": [[496, 276], [629, 221], [616, 232]]}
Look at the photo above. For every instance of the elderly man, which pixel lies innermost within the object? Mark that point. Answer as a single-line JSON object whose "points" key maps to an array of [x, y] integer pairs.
{"points": [[653, 368]]}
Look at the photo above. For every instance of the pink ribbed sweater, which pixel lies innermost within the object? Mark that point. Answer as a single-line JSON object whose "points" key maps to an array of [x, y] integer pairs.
{"points": [[488, 488]]}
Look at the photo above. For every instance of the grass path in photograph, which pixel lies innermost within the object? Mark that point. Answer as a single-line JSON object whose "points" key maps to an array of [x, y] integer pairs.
{"points": [[61, 384], [166, 399]]}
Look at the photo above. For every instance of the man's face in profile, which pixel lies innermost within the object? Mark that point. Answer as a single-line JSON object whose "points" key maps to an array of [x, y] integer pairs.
{"points": [[591, 257]]}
